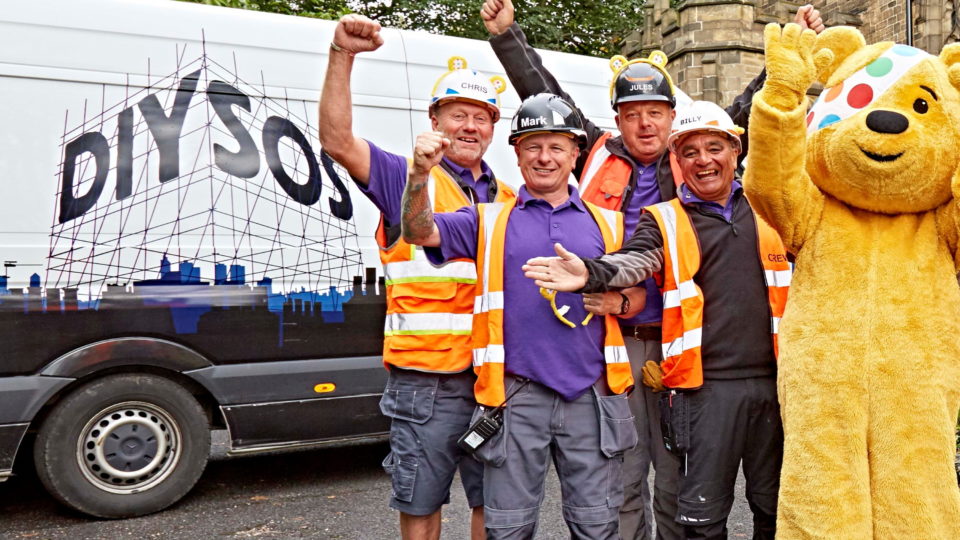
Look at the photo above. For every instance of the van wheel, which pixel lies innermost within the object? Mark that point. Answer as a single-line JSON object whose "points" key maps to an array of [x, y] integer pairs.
{"points": [[123, 446]]}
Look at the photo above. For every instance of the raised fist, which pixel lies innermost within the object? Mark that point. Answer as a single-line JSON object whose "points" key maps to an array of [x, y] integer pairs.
{"points": [[356, 33], [497, 15], [428, 151]]}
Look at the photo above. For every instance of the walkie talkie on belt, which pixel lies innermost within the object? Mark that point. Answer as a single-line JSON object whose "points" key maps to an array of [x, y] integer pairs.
{"points": [[488, 425]]}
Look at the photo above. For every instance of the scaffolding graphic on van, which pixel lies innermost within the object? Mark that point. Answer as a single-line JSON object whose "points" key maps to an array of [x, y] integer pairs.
{"points": [[198, 178]]}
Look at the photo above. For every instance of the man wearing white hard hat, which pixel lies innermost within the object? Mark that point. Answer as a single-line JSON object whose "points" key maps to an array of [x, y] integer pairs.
{"points": [[427, 344], [724, 277]]}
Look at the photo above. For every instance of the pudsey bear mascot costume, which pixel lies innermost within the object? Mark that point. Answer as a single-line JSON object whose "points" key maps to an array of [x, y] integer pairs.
{"points": [[863, 189]]}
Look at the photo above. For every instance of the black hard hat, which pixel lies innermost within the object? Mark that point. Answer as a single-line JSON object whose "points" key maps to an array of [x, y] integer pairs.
{"points": [[641, 80], [547, 113]]}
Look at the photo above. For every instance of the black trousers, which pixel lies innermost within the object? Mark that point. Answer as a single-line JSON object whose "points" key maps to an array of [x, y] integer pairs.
{"points": [[731, 421]]}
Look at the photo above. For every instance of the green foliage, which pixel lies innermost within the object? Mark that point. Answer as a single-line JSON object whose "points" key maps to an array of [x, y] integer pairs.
{"points": [[592, 27], [320, 9]]}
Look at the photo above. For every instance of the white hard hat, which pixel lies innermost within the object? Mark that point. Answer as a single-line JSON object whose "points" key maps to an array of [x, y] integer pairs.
{"points": [[462, 84], [702, 116]]}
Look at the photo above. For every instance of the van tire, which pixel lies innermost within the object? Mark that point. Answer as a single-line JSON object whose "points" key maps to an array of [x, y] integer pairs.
{"points": [[123, 446]]}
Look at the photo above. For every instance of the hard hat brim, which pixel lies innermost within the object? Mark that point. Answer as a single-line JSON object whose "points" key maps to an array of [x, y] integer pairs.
{"points": [[490, 106], [645, 97], [674, 138]]}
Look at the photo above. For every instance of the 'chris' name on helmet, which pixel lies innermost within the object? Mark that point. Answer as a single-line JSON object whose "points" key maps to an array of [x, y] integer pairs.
{"points": [[476, 87]]}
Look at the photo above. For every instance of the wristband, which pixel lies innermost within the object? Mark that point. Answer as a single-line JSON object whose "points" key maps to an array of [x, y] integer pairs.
{"points": [[335, 47]]}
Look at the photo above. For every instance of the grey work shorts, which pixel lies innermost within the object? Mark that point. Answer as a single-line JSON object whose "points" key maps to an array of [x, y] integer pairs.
{"points": [[430, 411]]}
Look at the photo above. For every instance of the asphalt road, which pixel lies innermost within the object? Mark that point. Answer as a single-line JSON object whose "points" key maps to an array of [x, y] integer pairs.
{"points": [[333, 493]]}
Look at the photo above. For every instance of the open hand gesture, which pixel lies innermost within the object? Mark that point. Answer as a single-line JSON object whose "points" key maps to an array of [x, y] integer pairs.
{"points": [[565, 273]]}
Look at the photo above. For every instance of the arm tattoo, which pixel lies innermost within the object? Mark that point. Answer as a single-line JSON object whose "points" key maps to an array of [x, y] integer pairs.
{"points": [[417, 222]]}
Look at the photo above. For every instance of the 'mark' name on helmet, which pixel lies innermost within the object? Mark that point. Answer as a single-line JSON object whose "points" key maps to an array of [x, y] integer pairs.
{"points": [[538, 121], [641, 87], [473, 86]]}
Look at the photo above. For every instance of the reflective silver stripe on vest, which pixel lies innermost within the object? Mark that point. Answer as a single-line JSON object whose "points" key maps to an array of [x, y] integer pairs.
{"points": [[484, 303], [777, 278], [774, 325], [597, 160], [689, 340], [493, 354], [615, 354], [610, 217], [420, 269], [687, 289], [411, 324]]}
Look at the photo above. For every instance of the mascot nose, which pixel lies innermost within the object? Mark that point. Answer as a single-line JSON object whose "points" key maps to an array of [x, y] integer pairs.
{"points": [[887, 122]]}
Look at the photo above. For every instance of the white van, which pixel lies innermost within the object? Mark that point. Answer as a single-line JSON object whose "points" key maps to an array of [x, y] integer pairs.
{"points": [[179, 254]]}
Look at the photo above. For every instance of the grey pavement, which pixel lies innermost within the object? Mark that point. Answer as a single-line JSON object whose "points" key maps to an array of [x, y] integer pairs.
{"points": [[332, 493]]}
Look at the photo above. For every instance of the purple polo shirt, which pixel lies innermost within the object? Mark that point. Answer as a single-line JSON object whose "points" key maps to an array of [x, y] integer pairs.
{"points": [[388, 177], [536, 344], [646, 194], [687, 197]]}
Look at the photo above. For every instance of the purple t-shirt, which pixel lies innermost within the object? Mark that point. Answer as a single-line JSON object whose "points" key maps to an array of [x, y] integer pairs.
{"points": [[646, 194], [388, 177], [687, 197], [536, 344]]}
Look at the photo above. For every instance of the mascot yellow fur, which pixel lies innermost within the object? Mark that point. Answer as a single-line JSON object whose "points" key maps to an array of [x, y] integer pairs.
{"points": [[864, 189]]}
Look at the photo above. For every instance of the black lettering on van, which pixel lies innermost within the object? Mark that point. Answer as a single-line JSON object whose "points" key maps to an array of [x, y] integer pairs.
{"points": [[274, 129], [73, 207], [125, 153], [166, 129], [343, 208], [245, 162]]}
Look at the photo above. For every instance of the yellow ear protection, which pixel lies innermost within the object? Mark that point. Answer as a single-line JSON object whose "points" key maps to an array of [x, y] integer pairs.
{"points": [[560, 312]]}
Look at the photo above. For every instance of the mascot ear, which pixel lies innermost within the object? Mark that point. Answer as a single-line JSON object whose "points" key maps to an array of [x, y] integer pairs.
{"points": [[950, 56], [833, 46]]}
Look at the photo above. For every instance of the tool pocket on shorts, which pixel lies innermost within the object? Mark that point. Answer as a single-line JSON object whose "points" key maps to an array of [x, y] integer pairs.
{"points": [[675, 421], [618, 432], [409, 397], [403, 475], [494, 451]]}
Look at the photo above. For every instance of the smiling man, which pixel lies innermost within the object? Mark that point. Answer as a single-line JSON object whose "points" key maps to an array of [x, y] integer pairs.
{"points": [[724, 278], [562, 374], [427, 344]]}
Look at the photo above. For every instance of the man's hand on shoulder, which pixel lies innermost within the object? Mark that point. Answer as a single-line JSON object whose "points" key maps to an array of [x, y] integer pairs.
{"points": [[497, 15], [356, 33]]}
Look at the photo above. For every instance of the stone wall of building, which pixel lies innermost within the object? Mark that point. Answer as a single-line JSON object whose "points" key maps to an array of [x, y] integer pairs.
{"points": [[715, 47]]}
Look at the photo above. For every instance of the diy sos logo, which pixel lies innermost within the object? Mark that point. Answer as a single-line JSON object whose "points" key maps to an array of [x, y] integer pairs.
{"points": [[167, 128]]}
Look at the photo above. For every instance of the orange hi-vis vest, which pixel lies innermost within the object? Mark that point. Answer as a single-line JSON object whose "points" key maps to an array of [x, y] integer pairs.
{"points": [[430, 308], [605, 176], [683, 300], [488, 353]]}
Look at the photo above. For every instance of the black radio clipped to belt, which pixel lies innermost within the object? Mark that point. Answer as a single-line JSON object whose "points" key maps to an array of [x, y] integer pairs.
{"points": [[488, 425]]}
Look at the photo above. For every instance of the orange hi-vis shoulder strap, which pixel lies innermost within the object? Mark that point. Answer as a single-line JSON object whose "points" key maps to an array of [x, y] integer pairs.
{"points": [[619, 374], [682, 298], [605, 176], [776, 273], [488, 353]]}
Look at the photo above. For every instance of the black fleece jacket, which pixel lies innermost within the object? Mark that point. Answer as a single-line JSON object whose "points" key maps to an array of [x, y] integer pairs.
{"points": [[736, 339]]}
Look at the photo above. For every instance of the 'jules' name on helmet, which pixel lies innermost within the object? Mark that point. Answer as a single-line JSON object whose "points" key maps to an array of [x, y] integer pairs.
{"points": [[475, 87], [645, 88]]}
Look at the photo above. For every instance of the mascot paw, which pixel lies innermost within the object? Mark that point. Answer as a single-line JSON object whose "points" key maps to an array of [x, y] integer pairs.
{"points": [[790, 64]]}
